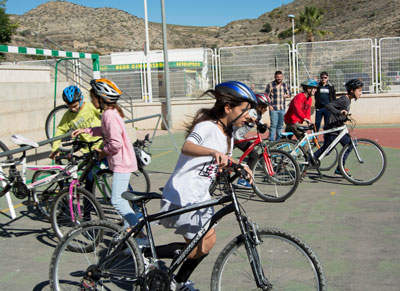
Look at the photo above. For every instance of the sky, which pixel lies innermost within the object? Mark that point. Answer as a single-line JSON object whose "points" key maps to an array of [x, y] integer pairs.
{"points": [[181, 12]]}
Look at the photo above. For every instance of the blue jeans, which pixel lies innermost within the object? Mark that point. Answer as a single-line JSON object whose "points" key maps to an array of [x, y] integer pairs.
{"points": [[120, 184], [319, 113], [276, 117]]}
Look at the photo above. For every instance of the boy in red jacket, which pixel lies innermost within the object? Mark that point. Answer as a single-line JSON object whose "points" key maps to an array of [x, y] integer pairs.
{"points": [[300, 108]]}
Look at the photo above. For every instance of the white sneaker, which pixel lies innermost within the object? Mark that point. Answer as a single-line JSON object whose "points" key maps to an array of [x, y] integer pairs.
{"points": [[185, 286]]}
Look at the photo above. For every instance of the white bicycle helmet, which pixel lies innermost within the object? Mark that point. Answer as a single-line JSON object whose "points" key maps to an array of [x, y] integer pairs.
{"points": [[106, 89], [143, 157]]}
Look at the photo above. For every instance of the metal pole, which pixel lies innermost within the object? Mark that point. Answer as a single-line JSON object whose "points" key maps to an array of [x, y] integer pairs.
{"points": [[146, 53], [166, 65], [293, 55]]}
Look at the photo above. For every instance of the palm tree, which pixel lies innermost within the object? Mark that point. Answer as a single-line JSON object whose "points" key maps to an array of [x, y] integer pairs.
{"points": [[309, 21]]}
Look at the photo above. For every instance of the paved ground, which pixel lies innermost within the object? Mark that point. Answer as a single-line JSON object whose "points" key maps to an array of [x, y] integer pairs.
{"points": [[354, 229]]}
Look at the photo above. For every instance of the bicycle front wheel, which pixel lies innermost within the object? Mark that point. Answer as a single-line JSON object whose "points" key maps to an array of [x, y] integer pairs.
{"points": [[67, 213], [53, 119], [281, 185], [287, 263], [93, 266], [140, 181], [289, 146], [362, 162], [44, 195]]}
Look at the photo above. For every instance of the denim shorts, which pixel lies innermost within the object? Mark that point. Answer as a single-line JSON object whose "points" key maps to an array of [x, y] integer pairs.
{"points": [[186, 224]]}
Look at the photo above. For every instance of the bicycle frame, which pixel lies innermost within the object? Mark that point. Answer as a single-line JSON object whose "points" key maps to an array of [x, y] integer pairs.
{"points": [[257, 141], [233, 206]]}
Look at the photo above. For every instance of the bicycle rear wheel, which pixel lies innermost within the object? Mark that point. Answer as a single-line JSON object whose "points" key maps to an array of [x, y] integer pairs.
{"points": [[365, 163], [44, 195], [53, 119], [287, 262], [66, 213], [283, 183], [81, 269]]}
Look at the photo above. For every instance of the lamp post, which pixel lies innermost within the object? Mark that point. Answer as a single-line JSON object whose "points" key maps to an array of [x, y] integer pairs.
{"points": [[149, 97], [291, 16]]}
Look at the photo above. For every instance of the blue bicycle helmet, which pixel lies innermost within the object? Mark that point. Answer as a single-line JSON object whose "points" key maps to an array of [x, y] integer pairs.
{"points": [[238, 90], [72, 94], [310, 83]]}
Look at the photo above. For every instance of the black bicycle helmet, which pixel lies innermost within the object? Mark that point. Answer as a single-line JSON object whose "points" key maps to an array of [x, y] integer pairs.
{"points": [[72, 94], [353, 84], [238, 90], [106, 89]]}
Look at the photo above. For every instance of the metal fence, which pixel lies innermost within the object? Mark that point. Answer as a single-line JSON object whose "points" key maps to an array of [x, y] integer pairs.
{"points": [[377, 63], [343, 60], [389, 64], [254, 65]]}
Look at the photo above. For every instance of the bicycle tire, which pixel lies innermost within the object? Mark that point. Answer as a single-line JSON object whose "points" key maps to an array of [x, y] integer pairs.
{"points": [[371, 168], [51, 124], [68, 270], [279, 251], [330, 160], [288, 146], [283, 184], [4, 148], [60, 216], [43, 196]]}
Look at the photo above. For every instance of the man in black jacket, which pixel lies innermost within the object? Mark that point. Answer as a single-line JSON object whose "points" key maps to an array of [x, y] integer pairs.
{"points": [[325, 94]]}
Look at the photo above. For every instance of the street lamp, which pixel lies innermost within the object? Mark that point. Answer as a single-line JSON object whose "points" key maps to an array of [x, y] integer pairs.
{"points": [[291, 16]]}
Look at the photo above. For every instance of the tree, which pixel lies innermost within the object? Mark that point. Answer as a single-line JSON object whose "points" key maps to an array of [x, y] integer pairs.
{"points": [[266, 27], [7, 27], [309, 21]]}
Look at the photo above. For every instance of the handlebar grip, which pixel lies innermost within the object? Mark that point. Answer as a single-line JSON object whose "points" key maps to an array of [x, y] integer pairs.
{"points": [[63, 157]]}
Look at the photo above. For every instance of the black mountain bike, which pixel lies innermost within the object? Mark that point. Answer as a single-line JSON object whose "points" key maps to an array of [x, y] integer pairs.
{"points": [[106, 257]]}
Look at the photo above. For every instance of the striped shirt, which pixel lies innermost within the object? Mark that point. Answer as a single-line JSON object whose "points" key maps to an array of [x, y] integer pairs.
{"points": [[276, 93]]}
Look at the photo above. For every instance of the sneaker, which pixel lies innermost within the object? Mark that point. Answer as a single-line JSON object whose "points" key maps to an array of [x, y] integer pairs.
{"points": [[337, 172], [242, 183], [142, 242], [185, 286]]}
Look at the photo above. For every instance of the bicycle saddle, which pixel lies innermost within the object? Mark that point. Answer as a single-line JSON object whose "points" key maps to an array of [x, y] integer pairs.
{"points": [[23, 141], [303, 128], [140, 196]]}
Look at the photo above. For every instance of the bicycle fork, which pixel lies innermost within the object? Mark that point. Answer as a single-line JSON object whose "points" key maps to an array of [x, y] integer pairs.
{"points": [[268, 162], [251, 240], [72, 189]]}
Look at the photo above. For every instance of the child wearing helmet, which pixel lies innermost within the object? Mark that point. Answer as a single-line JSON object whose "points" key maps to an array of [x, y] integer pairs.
{"points": [[239, 133], [80, 115], [339, 109], [299, 110], [117, 147], [207, 148]]}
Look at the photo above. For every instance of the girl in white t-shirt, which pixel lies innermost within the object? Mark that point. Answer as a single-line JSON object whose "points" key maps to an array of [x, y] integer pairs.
{"points": [[208, 147]]}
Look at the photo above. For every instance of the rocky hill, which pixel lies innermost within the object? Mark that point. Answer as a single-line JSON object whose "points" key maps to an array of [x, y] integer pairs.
{"points": [[105, 30]]}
